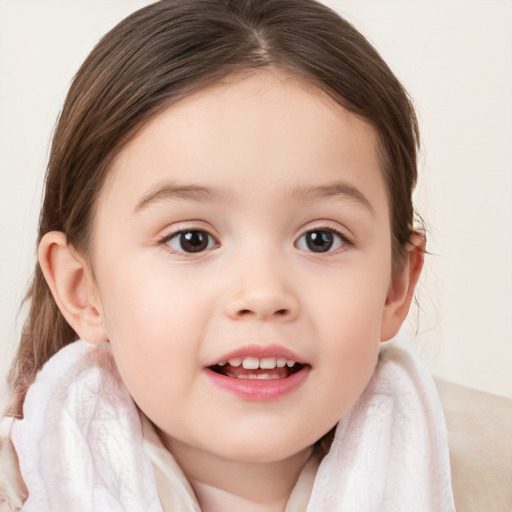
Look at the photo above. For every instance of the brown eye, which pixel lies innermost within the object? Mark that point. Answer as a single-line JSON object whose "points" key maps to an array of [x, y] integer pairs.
{"points": [[321, 240], [191, 241]]}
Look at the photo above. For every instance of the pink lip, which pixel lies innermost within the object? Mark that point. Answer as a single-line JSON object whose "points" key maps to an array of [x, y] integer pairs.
{"points": [[259, 390], [259, 351], [255, 389]]}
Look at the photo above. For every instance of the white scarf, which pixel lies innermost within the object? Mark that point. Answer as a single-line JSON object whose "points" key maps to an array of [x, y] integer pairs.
{"points": [[81, 447]]}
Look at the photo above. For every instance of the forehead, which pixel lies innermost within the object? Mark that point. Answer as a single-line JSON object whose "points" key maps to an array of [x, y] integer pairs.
{"points": [[259, 128]]}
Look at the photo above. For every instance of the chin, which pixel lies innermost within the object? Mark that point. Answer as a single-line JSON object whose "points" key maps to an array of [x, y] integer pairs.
{"points": [[257, 452]]}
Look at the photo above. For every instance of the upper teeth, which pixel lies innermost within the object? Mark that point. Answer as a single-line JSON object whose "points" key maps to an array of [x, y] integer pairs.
{"points": [[265, 363]]}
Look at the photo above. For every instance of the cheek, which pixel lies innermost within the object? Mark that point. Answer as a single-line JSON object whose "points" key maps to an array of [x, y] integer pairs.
{"points": [[155, 323], [139, 319], [353, 302], [351, 338], [349, 319], [145, 301]]}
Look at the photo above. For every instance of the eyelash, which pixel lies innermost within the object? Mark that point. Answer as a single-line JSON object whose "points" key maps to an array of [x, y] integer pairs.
{"points": [[344, 241], [211, 242]]}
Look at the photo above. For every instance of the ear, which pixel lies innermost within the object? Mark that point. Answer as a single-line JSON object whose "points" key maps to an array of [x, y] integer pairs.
{"points": [[72, 285], [401, 289]]}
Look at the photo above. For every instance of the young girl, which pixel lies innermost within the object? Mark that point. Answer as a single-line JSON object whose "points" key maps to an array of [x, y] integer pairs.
{"points": [[227, 236]]}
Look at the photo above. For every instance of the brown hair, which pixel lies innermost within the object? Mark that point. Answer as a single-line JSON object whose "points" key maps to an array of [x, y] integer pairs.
{"points": [[168, 50]]}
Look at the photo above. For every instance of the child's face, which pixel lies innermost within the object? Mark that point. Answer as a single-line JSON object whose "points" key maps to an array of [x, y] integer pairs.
{"points": [[281, 250]]}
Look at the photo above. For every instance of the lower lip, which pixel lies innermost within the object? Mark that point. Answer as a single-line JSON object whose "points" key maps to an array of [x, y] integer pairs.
{"points": [[259, 390]]}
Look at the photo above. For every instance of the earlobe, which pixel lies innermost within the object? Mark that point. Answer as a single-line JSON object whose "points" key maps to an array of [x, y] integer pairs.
{"points": [[72, 286], [401, 290]]}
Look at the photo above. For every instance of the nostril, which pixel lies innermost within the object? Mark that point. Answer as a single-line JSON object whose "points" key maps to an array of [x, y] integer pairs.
{"points": [[250, 312]]}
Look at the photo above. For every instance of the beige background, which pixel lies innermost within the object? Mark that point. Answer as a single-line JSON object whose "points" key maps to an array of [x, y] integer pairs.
{"points": [[455, 57]]}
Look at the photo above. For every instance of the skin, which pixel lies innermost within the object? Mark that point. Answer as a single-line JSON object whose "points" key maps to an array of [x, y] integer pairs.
{"points": [[282, 160]]}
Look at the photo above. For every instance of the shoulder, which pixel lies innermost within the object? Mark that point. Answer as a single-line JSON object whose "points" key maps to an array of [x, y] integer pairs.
{"points": [[480, 440]]}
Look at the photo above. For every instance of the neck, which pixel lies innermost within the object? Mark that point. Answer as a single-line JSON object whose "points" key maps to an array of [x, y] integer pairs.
{"points": [[223, 485]]}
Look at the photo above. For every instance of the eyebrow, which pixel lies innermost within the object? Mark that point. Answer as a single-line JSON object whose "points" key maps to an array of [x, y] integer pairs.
{"points": [[332, 190], [169, 190]]}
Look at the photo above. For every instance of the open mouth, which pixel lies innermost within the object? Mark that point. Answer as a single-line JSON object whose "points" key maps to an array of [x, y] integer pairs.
{"points": [[259, 377], [266, 368]]}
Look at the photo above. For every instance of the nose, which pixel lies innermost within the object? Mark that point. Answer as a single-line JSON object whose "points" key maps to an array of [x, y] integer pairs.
{"points": [[262, 290]]}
